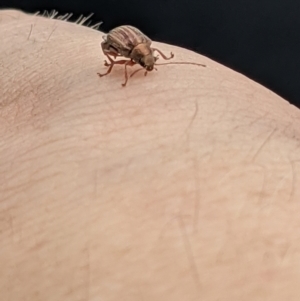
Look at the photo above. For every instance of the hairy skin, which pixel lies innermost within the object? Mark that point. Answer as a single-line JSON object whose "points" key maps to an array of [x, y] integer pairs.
{"points": [[181, 186]]}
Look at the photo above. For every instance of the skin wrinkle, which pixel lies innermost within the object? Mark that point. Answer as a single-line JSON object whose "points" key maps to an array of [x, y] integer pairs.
{"points": [[44, 148], [272, 197], [190, 255], [29, 81], [261, 193], [141, 174], [264, 143], [197, 195], [290, 198]]}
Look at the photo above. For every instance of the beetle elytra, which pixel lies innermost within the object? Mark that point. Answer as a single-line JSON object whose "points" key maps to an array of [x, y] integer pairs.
{"points": [[129, 42]]}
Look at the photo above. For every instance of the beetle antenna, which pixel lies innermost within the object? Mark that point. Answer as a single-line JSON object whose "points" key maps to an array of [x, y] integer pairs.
{"points": [[181, 63]]}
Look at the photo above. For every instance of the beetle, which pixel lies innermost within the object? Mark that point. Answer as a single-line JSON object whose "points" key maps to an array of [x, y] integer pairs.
{"points": [[129, 42]]}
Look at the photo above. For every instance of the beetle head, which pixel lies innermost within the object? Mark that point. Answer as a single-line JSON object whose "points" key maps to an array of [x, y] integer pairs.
{"points": [[143, 55], [148, 61]]}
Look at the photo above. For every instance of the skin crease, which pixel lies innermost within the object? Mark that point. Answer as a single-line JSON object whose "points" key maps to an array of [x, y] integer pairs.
{"points": [[181, 186]]}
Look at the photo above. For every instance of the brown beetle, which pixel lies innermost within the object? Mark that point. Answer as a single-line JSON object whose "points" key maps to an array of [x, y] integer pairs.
{"points": [[129, 42]]}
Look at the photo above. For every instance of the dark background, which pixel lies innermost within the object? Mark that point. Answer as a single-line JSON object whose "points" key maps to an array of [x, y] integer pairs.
{"points": [[259, 38]]}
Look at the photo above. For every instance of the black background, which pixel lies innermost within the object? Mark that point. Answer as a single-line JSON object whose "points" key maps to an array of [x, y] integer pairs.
{"points": [[259, 38]]}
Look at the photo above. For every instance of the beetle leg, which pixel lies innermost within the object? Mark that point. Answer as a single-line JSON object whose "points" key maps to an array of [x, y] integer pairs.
{"points": [[113, 54], [108, 55], [128, 63], [106, 64], [162, 55], [121, 62]]}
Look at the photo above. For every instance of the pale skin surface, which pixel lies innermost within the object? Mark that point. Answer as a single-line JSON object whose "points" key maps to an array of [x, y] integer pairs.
{"points": [[182, 186]]}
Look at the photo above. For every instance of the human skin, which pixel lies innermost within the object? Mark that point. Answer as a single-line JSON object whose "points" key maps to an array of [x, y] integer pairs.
{"points": [[181, 186]]}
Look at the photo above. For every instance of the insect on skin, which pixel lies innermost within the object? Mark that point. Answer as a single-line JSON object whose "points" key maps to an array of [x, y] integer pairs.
{"points": [[129, 42]]}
